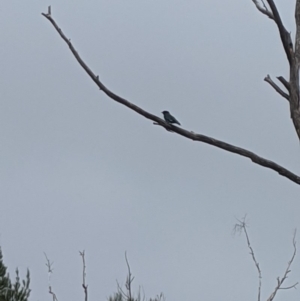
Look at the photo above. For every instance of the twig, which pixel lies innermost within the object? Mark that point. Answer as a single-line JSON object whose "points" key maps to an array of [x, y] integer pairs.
{"points": [[180, 131], [262, 1], [50, 271], [129, 279], [263, 9], [287, 271], [277, 89], [120, 290], [84, 285], [241, 226]]}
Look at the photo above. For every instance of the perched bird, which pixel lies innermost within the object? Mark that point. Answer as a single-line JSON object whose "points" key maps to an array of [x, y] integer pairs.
{"points": [[169, 118]]}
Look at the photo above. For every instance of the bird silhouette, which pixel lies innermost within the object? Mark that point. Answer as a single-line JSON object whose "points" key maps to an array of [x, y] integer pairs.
{"points": [[169, 118]]}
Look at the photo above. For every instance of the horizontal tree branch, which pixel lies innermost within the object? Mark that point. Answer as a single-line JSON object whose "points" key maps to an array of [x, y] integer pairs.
{"points": [[188, 134], [277, 89]]}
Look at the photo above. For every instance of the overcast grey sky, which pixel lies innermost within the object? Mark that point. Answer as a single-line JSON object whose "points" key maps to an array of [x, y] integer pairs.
{"points": [[79, 171]]}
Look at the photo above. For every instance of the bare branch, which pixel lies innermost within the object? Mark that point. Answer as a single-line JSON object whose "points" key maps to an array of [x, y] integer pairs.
{"points": [[120, 290], [241, 227], [264, 4], [289, 287], [263, 9], [284, 34], [128, 280], [294, 61], [50, 271], [293, 57], [85, 286], [284, 82], [280, 281], [277, 89], [188, 134]]}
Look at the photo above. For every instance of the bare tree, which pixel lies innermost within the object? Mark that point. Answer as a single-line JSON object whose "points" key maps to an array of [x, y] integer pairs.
{"points": [[292, 93]]}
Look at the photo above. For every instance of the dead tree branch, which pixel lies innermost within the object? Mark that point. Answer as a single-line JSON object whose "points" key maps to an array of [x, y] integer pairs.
{"points": [[129, 279], [84, 285], [274, 15], [128, 284], [293, 56], [49, 266], [182, 132], [284, 82], [263, 9], [277, 89], [285, 275], [284, 34], [241, 227]]}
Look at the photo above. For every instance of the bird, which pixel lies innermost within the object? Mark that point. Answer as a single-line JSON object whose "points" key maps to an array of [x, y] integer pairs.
{"points": [[169, 118]]}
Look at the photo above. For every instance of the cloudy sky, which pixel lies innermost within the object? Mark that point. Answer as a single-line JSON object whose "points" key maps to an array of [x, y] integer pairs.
{"points": [[81, 172]]}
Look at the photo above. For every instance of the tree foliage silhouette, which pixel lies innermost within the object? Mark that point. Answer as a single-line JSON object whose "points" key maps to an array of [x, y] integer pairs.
{"points": [[18, 291]]}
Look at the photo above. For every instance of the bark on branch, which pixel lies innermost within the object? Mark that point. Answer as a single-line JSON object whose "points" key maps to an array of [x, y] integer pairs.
{"points": [[180, 131]]}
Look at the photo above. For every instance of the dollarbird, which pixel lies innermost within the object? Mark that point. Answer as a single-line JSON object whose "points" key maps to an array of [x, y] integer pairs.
{"points": [[169, 118]]}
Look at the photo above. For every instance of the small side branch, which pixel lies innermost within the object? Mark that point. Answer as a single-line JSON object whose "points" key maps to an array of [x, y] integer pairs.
{"points": [[285, 275], [84, 285], [129, 280], [277, 89], [180, 131], [241, 227], [284, 82], [263, 9], [49, 266], [128, 284]]}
